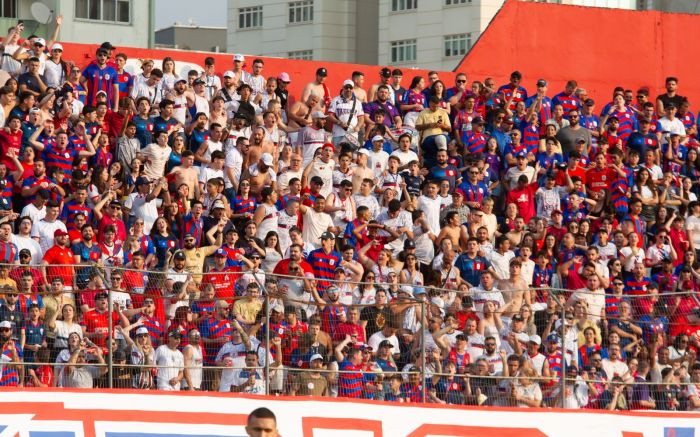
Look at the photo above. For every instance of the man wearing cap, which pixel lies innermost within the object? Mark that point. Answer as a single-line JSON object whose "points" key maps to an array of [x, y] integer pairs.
{"points": [[384, 80], [345, 111], [171, 363], [321, 167], [310, 138], [319, 88], [99, 76], [95, 323], [60, 256], [311, 383], [282, 93], [512, 91], [540, 104], [143, 204]]}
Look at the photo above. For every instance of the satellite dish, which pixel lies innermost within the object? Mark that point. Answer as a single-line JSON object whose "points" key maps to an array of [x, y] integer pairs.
{"points": [[40, 12]]}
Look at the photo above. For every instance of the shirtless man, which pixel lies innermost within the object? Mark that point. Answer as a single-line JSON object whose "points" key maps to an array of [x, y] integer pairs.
{"points": [[515, 235], [186, 174], [452, 231], [300, 113], [258, 145], [182, 98], [319, 88], [361, 171], [261, 174], [514, 289], [358, 78]]}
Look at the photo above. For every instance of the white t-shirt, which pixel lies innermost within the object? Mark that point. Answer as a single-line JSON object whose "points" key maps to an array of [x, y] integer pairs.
{"points": [[30, 244], [405, 157], [140, 208], [639, 258], [157, 157], [315, 224], [44, 230], [501, 263], [692, 224], [175, 361], [378, 337], [431, 209]]}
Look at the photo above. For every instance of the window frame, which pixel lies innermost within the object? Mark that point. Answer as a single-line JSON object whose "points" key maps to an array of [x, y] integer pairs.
{"points": [[300, 55], [297, 8], [398, 6], [250, 12], [399, 51], [456, 39], [12, 5], [101, 19]]}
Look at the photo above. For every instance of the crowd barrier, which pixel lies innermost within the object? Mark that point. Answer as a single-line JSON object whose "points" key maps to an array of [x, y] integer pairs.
{"points": [[418, 373]]}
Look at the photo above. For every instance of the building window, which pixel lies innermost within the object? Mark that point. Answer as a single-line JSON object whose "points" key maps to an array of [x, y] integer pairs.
{"points": [[403, 5], [249, 18], [403, 51], [301, 12], [8, 8], [116, 11], [457, 45], [456, 2], [301, 55]]}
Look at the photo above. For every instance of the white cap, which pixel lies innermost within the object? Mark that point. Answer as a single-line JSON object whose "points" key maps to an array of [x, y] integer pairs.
{"points": [[266, 159], [363, 151], [347, 82], [318, 114], [239, 57], [378, 138], [5, 324], [316, 357], [41, 41], [441, 142], [522, 337], [141, 330], [536, 339], [229, 73], [57, 46]]}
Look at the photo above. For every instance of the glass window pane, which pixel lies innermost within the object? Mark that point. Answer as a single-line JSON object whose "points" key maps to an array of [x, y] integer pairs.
{"points": [[81, 9], [95, 12], [109, 10], [123, 8]]}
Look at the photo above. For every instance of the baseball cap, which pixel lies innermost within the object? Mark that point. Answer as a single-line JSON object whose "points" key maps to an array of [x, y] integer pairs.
{"points": [[217, 204], [279, 308], [478, 120], [322, 72], [6, 324], [229, 73], [221, 304], [181, 80], [317, 180], [59, 233], [141, 330], [522, 337], [535, 339], [386, 343], [318, 114], [385, 72], [332, 289], [541, 82], [101, 295], [220, 252], [440, 142], [327, 236], [35, 110], [57, 46], [198, 81], [589, 102], [348, 82], [556, 211], [409, 244], [174, 334], [40, 41], [328, 146], [553, 338], [517, 318], [315, 357], [179, 255], [521, 154], [418, 291], [107, 46], [238, 57], [284, 77], [266, 159], [378, 138]]}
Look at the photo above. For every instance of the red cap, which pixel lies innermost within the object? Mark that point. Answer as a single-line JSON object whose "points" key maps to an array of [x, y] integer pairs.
{"points": [[59, 233], [329, 145]]}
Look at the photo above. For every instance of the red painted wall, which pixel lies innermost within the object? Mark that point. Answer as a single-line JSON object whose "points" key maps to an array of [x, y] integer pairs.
{"points": [[600, 48], [301, 72]]}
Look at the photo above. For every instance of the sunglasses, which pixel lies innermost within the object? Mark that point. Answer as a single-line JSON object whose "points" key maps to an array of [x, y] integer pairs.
{"points": [[461, 81], [5, 329]]}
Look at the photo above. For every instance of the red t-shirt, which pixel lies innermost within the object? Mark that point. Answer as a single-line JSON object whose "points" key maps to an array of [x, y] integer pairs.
{"points": [[10, 141], [598, 179], [525, 200], [578, 171], [62, 256], [282, 267], [106, 221], [223, 282], [95, 322]]}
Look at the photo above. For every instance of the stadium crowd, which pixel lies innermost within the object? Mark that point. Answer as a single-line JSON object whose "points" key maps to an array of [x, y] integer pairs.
{"points": [[403, 239]]}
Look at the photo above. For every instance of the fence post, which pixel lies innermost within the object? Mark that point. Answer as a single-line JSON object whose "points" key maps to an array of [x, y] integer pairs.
{"points": [[563, 357], [424, 317], [267, 343]]}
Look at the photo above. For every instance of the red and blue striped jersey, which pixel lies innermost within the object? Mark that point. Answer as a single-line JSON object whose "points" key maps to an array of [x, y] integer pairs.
{"points": [[79, 93], [555, 363], [62, 159], [8, 253], [324, 265], [531, 137], [688, 119], [544, 112], [155, 328], [192, 226], [125, 81], [102, 158], [241, 205], [9, 376], [204, 308], [475, 142], [100, 79], [612, 304], [411, 97], [463, 122], [640, 227], [350, 384], [284, 200], [214, 328], [474, 192], [628, 123], [508, 90], [618, 191], [146, 244], [330, 319], [77, 143], [635, 287], [567, 101], [70, 209], [197, 138], [592, 123]]}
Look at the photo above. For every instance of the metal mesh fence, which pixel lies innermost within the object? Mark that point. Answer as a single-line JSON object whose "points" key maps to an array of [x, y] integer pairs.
{"points": [[235, 331]]}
